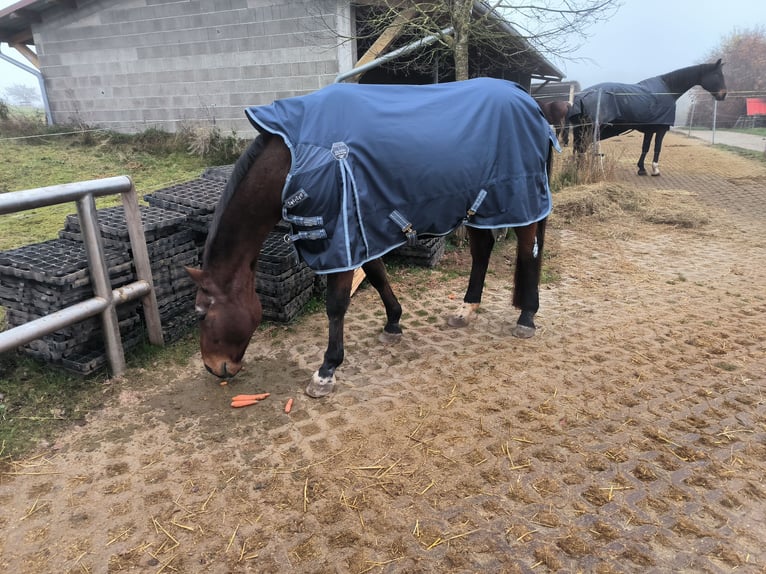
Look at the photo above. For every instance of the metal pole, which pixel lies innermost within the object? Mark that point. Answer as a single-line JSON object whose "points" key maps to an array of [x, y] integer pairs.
{"points": [[40, 81], [427, 41], [38, 328], [691, 118], [715, 113], [99, 278], [596, 125], [55, 194], [143, 265]]}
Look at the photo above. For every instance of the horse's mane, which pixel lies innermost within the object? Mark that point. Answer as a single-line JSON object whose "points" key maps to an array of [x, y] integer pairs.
{"points": [[682, 79], [241, 167]]}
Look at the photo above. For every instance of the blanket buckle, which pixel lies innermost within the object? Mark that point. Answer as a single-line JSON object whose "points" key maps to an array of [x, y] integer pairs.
{"points": [[406, 227]]}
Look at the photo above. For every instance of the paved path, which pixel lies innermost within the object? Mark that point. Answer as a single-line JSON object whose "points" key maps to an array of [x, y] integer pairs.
{"points": [[735, 139]]}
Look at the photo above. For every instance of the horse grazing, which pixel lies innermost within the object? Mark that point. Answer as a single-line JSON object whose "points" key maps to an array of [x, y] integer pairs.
{"points": [[610, 109], [358, 170], [557, 114]]}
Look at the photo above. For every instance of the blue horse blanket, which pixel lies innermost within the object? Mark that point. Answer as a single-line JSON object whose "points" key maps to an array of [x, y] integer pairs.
{"points": [[647, 102], [374, 166]]}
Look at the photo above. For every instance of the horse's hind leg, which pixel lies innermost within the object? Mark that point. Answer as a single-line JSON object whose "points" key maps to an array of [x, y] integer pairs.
{"points": [[529, 257], [658, 137], [644, 150], [338, 299], [376, 274], [481, 241]]}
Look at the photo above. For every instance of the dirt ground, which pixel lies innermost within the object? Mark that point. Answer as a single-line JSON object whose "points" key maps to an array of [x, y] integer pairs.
{"points": [[628, 436]]}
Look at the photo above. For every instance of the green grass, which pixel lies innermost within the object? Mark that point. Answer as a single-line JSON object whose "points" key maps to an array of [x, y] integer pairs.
{"points": [[37, 401], [55, 160], [746, 153]]}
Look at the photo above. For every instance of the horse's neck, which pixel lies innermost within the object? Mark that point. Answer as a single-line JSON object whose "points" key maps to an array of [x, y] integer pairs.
{"points": [[239, 238], [251, 211], [681, 81]]}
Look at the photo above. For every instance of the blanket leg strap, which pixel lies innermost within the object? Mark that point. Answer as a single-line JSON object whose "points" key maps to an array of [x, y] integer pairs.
{"points": [[406, 227], [475, 206]]}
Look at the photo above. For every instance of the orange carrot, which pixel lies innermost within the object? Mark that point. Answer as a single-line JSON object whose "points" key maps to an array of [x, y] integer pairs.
{"points": [[258, 397], [238, 404], [289, 405]]}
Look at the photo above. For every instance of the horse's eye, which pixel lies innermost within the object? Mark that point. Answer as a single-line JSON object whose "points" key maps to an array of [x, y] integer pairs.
{"points": [[200, 311]]}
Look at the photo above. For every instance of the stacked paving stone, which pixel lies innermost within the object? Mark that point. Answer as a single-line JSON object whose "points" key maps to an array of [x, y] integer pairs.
{"points": [[196, 199], [426, 253], [171, 246], [283, 282], [37, 280]]}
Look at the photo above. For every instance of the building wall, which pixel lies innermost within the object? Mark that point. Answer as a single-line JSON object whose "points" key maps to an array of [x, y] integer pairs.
{"points": [[128, 65]]}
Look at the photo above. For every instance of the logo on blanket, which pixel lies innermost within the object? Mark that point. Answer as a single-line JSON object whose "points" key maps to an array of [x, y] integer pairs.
{"points": [[340, 150]]}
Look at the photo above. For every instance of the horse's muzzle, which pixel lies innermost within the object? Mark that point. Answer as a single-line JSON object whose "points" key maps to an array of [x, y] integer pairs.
{"points": [[225, 370], [720, 95]]}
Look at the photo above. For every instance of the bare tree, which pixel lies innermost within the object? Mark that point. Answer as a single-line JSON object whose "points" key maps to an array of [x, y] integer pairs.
{"points": [[499, 31], [23, 95], [744, 56]]}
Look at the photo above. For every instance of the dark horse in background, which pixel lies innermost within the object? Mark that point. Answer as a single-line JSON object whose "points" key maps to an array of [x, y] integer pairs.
{"points": [[557, 114], [610, 109], [355, 167]]}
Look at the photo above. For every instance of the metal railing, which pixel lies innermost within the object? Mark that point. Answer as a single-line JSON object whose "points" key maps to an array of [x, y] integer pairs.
{"points": [[105, 298]]}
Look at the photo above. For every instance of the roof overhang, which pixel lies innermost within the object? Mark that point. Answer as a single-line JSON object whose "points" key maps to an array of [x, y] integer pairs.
{"points": [[16, 20]]}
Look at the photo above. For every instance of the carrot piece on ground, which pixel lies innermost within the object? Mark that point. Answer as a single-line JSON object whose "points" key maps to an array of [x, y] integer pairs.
{"points": [[246, 403], [289, 405], [258, 397]]}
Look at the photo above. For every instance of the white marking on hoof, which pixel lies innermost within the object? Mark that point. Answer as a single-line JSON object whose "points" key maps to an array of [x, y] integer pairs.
{"points": [[523, 332], [389, 338], [320, 386], [464, 316], [655, 168]]}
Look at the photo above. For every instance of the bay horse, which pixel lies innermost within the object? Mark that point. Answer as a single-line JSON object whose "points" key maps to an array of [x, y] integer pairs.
{"points": [[610, 109], [332, 163], [557, 114]]}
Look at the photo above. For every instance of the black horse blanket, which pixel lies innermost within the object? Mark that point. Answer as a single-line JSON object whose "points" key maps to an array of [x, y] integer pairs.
{"points": [[647, 102], [374, 166]]}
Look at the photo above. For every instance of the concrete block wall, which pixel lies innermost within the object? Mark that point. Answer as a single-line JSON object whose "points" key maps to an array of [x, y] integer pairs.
{"points": [[128, 65]]}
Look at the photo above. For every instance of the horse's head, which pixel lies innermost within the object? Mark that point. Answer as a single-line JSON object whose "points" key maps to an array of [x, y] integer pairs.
{"points": [[229, 314], [713, 81]]}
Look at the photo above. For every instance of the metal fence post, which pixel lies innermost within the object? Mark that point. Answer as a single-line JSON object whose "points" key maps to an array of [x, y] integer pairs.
{"points": [[106, 299], [99, 277]]}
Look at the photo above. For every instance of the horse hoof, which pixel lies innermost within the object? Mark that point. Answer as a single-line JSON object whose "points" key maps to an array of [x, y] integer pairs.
{"points": [[463, 317], [320, 386], [523, 332], [642, 172], [389, 338], [655, 168]]}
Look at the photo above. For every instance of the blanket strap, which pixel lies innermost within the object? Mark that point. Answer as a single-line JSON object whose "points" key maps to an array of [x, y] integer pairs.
{"points": [[311, 234], [475, 205], [406, 227], [298, 197]]}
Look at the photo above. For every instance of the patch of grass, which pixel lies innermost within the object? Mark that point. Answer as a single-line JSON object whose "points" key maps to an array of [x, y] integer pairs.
{"points": [[64, 159], [759, 156], [38, 402]]}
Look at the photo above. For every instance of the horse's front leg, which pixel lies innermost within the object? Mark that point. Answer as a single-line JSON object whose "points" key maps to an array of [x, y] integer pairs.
{"points": [[481, 241], [338, 298], [526, 292], [376, 274]]}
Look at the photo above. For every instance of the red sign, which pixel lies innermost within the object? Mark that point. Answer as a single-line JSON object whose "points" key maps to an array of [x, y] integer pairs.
{"points": [[756, 106]]}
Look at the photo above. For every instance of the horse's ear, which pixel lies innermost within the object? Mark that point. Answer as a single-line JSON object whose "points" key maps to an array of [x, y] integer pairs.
{"points": [[195, 274], [718, 64]]}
